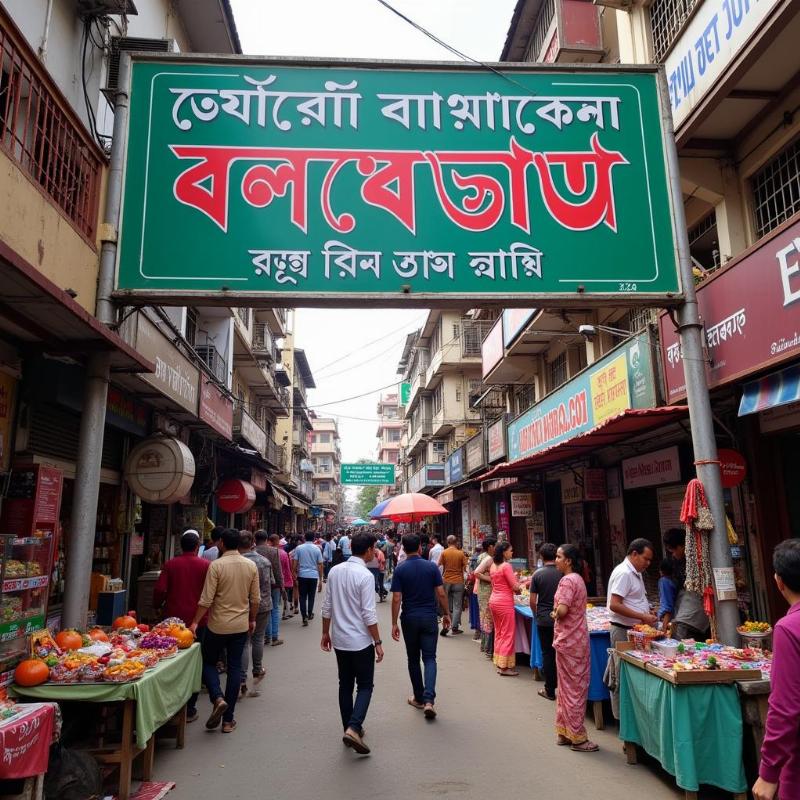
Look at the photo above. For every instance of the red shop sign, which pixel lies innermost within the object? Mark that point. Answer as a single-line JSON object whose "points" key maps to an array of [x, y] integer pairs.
{"points": [[746, 330], [236, 496], [215, 408], [733, 466]]}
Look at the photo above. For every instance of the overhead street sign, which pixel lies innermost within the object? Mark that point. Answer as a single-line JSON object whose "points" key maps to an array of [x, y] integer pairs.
{"points": [[376, 474], [310, 182]]}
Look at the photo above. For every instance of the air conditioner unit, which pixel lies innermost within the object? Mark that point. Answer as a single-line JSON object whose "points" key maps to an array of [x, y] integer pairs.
{"points": [[128, 44]]}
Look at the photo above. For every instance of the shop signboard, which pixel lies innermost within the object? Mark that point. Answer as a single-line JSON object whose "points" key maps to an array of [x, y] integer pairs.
{"points": [[515, 321], [473, 453], [594, 484], [497, 440], [503, 522], [372, 474], [434, 475], [652, 469], [572, 487], [261, 179], [733, 467], [492, 348], [521, 504], [175, 376], [250, 431], [216, 407], [746, 331], [446, 497], [589, 399], [716, 33], [455, 465]]}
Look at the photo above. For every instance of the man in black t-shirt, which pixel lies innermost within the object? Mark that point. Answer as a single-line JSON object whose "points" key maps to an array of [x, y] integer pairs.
{"points": [[543, 590]]}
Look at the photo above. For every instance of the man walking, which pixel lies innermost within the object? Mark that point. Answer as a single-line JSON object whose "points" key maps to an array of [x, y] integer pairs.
{"points": [[627, 598], [543, 591], [436, 549], [328, 550], [453, 562], [350, 627], [307, 571], [231, 597], [417, 587], [256, 638], [268, 547], [211, 553], [178, 589]]}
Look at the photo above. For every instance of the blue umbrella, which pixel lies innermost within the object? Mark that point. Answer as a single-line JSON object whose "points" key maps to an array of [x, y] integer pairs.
{"points": [[359, 522], [378, 508]]}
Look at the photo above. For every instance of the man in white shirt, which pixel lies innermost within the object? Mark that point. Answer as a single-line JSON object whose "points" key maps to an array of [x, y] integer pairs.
{"points": [[211, 553], [627, 599], [350, 628], [436, 550]]}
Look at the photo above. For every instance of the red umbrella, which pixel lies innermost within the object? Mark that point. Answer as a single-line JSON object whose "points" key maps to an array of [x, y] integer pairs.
{"points": [[411, 507]]}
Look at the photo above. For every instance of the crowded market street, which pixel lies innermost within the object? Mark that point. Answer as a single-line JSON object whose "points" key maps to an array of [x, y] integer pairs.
{"points": [[493, 738]]}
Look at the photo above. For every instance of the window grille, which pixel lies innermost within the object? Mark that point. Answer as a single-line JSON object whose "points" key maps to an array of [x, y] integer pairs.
{"points": [[557, 371], [526, 397], [539, 35], [776, 189], [667, 20], [191, 326], [45, 139]]}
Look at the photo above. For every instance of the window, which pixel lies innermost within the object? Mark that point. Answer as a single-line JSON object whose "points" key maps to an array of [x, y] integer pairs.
{"points": [[438, 446], [776, 189], [395, 434], [667, 19], [390, 413], [526, 397], [456, 331], [324, 438], [557, 371], [324, 465], [437, 399], [458, 393], [703, 244], [436, 337], [323, 487], [191, 326]]}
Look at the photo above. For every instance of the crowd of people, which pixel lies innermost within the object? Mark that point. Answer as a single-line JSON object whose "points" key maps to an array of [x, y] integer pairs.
{"points": [[238, 590]]}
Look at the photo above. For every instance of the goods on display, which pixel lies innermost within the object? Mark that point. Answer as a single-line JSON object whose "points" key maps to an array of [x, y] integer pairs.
{"points": [[755, 630], [597, 618], [688, 661], [642, 636], [97, 656], [8, 709]]}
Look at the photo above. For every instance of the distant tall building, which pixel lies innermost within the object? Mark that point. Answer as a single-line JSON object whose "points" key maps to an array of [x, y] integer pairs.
{"points": [[390, 431], [326, 458]]}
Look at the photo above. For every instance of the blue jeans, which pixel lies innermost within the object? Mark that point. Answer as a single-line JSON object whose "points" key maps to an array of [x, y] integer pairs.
{"points": [[356, 667], [213, 644], [275, 617], [421, 637]]}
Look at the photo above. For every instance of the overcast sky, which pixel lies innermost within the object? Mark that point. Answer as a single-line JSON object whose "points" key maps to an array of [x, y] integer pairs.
{"points": [[356, 352]]}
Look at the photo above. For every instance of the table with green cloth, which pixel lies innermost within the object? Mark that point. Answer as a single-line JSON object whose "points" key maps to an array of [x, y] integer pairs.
{"points": [[693, 730], [147, 704]]}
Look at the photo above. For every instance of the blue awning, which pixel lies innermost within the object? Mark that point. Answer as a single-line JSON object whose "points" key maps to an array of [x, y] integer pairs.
{"points": [[777, 389]]}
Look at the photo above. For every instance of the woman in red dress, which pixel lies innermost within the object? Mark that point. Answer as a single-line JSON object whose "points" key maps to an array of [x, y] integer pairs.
{"points": [[501, 604]]}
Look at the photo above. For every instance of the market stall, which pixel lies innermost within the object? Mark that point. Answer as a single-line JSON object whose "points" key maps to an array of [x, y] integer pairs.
{"points": [[26, 732], [680, 705]]}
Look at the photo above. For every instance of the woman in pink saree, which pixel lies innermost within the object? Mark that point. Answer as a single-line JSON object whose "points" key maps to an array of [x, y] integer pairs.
{"points": [[501, 603], [571, 643]]}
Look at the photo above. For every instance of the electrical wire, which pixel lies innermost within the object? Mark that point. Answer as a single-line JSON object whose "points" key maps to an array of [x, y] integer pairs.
{"points": [[362, 363]]}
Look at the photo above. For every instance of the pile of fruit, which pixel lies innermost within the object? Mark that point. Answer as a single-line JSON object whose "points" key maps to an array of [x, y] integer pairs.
{"points": [[751, 628], [118, 656]]}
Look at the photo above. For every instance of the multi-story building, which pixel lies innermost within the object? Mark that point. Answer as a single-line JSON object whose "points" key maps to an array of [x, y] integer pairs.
{"points": [[390, 431], [442, 364], [326, 458]]}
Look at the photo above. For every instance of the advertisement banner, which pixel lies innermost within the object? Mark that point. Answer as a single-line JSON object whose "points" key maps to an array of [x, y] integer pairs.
{"points": [[455, 466], [257, 179], [497, 440], [573, 408], [746, 331], [216, 408], [492, 348], [374, 474], [652, 469]]}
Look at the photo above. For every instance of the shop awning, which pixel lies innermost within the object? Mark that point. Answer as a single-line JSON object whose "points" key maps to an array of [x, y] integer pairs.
{"points": [[630, 423], [36, 313], [279, 499], [778, 389], [297, 503]]}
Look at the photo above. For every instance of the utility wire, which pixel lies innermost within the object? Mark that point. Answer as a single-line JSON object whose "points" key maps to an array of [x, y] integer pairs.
{"points": [[361, 363]]}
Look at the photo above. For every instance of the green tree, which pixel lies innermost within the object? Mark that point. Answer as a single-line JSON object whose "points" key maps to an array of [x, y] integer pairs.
{"points": [[367, 500]]}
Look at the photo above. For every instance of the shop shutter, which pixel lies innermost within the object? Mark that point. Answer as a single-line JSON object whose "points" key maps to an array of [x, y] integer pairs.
{"points": [[54, 433]]}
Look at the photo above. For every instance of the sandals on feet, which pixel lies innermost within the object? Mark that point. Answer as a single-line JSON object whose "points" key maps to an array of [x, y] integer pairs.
{"points": [[229, 727], [585, 747], [412, 702], [562, 741]]}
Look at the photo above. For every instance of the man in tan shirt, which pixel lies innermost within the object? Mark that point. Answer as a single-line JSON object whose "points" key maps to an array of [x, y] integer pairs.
{"points": [[231, 596], [453, 563]]}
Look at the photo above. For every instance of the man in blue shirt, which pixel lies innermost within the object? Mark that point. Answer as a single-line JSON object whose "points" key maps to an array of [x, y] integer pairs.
{"points": [[344, 546], [328, 549], [307, 571], [417, 586]]}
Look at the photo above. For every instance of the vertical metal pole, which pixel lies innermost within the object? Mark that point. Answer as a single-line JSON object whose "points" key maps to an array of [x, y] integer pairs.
{"points": [[78, 570], [690, 329]]}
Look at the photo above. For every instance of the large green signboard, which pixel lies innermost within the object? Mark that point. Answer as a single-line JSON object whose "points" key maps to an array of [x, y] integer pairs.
{"points": [[308, 182], [375, 474]]}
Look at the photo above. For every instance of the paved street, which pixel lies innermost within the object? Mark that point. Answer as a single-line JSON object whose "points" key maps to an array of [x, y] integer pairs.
{"points": [[493, 739]]}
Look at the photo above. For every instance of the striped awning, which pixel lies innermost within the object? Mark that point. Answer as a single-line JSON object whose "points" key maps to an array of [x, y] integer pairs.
{"points": [[777, 389]]}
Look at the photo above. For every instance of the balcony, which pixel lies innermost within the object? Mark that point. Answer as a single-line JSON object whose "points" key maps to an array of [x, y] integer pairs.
{"points": [[275, 454], [274, 318], [324, 498], [260, 371], [473, 332], [212, 358], [263, 343], [416, 435], [41, 133], [328, 448]]}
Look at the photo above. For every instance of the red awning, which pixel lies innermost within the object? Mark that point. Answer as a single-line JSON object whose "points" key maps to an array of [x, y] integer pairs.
{"points": [[630, 423]]}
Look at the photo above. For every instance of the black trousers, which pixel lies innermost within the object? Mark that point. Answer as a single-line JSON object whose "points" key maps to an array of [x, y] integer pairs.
{"points": [[308, 588], [548, 659], [356, 671]]}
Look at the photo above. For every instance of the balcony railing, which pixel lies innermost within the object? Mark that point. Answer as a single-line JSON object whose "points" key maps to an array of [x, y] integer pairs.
{"points": [[42, 134], [473, 332], [215, 362], [275, 454], [263, 344]]}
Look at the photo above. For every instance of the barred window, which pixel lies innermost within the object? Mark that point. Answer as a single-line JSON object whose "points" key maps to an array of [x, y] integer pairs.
{"points": [[703, 243], [667, 19], [776, 189], [540, 30], [557, 371]]}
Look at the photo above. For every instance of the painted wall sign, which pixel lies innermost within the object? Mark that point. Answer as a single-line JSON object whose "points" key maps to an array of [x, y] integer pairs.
{"points": [[652, 469], [260, 178], [497, 440], [746, 331], [717, 32], [589, 399]]}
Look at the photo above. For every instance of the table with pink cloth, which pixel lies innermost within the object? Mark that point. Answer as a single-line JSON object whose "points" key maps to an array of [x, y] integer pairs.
{"points": [[25, 741]]}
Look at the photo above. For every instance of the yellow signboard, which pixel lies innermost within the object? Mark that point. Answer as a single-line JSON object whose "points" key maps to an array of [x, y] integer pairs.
{"points": [[609, 388]]}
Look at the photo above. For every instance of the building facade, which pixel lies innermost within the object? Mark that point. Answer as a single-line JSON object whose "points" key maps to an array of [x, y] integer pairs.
{"points": [[389, 434], [326, 459]]}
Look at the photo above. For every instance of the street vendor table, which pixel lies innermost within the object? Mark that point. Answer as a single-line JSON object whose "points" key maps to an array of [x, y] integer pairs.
{"points": [[25, 741], [148, 703], [694, 731], [527, 641]]}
